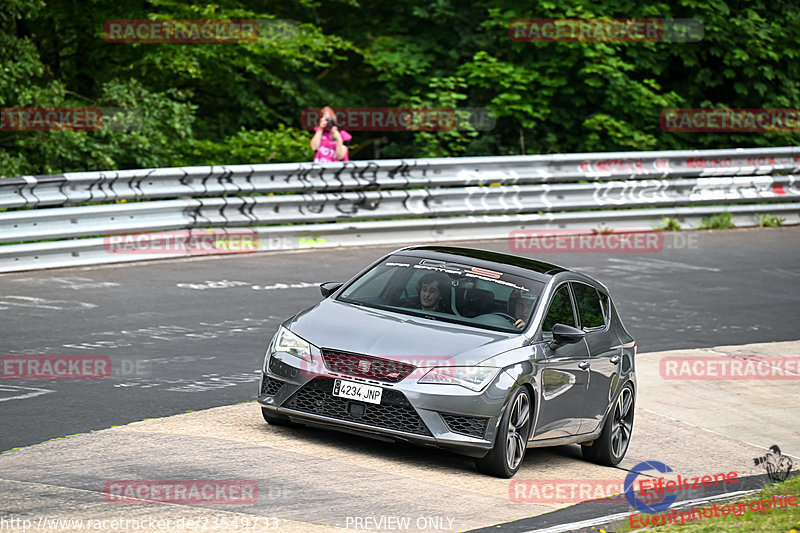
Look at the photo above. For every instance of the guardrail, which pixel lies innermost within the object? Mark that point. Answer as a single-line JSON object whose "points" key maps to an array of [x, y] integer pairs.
{"points": [[389, 201]]}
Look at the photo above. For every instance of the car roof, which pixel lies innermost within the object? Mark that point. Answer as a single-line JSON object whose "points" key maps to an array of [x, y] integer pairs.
{"points": [[513, 264]]}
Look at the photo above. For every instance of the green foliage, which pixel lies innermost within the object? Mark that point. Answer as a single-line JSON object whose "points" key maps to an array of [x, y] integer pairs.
{"points": [[718, 221], [670, 224], [602, 229], [770, 221], [214, 103], [249, 146]]}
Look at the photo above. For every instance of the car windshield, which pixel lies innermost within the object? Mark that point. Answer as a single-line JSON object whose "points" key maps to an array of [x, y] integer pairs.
{"points": [[447, 291]]}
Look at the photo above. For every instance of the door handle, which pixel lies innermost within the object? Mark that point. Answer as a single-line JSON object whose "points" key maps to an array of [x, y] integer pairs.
{"points": [[614, 360], [583, 365]]}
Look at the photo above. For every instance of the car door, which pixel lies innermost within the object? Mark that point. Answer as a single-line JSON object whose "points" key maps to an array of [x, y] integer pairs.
{"points": [[563, 378], [605, 351]]}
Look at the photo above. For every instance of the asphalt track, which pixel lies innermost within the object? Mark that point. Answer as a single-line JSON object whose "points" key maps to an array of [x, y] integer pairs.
{"points": [[190, 335]]}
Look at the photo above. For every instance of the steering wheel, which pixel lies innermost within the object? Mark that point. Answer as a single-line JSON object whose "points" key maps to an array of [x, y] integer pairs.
{"points": [[506, 316]]}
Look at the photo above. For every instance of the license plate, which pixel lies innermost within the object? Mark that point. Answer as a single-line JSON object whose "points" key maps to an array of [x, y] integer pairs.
{"points": [[357, 391]]}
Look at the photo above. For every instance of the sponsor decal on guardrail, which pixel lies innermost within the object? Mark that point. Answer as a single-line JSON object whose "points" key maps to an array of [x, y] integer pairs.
{"points": [[603, 30], [185, 492], [729, 368]]}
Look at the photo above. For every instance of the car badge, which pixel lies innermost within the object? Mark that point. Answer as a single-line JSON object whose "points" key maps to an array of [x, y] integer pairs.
{"points": [[364, 366]]}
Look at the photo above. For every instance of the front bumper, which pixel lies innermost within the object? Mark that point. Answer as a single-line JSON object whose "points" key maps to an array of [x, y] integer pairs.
{"points": [[446, 416]]}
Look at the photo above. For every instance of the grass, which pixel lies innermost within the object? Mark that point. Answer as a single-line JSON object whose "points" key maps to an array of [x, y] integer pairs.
{"points": [[670, 224], [719, 221], [602, 229], [785, 519], [770, 221]]}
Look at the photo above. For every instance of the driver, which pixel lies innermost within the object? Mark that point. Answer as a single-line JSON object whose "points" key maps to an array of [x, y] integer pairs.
{"points": [[433, 291], [523, 308]]}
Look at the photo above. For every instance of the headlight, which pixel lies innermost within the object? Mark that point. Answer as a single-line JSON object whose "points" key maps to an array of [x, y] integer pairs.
{"points": [[292, 344], [270, 349], [471, 377]]}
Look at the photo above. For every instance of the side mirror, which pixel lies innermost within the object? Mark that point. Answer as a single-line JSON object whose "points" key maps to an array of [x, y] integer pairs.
{"points": [[329, 287], [563, 334]]}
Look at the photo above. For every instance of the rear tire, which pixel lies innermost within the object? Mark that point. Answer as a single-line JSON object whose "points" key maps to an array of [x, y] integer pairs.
{"points": [[611, 445], [275, 419], [505, 458]]}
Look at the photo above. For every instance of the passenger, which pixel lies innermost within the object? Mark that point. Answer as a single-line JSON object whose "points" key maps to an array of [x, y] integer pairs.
{"points": [[434, 292]]}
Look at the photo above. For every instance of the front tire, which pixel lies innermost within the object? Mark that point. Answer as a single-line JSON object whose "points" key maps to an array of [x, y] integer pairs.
{"points": [[505, 458], [612, 444]]}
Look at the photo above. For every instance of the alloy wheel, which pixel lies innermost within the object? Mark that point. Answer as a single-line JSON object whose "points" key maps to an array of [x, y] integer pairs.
{"points": [[622, 422], [518, 422]]}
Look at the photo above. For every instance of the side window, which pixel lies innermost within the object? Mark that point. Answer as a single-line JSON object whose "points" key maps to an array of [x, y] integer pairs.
{"points": [[560, 311], [589, 309], [606, 304]]}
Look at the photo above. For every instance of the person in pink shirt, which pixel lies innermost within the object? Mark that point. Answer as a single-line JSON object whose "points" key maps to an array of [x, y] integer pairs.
{"points": [[328, 140]]}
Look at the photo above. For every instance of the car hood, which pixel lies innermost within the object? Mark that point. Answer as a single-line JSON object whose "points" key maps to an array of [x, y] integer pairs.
{"points": [[350, 328]]}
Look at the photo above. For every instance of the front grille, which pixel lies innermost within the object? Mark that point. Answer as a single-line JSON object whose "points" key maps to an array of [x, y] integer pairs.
{"points": [[394, 411], [270, 386], [366, 366], [474, 426]]}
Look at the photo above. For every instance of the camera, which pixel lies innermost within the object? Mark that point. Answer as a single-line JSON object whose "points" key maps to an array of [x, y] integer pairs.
{"points": [[331, 123]]}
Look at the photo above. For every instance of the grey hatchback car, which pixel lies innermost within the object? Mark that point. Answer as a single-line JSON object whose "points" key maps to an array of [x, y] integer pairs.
{"points": [[482, 353]]}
